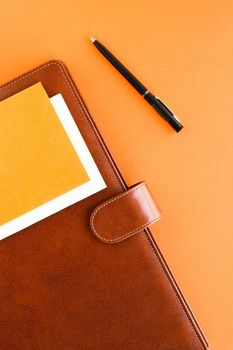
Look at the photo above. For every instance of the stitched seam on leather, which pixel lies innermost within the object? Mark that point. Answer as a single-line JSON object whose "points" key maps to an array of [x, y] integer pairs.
{"points": [[128, 234], [106, 156], [176, 293], [109, 202], [83, 112], [27, 75]]}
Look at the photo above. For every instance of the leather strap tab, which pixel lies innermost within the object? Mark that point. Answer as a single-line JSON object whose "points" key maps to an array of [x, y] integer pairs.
{"points": [[124, 215]]}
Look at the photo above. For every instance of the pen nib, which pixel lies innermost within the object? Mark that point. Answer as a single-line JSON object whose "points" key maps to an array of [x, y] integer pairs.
{"points": [[92, 39]]}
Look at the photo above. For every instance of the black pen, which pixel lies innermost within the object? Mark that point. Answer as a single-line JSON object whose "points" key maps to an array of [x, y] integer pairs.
{"points": [[158, 105]]}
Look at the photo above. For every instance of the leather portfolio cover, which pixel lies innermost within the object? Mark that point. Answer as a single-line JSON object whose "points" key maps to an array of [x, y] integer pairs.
{"points": [[91, 276]]}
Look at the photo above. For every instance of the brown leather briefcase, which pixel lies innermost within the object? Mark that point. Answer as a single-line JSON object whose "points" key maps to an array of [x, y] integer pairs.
{"points": [[91, 276]]}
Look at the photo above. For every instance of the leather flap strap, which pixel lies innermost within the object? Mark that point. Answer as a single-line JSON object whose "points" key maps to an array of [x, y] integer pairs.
{"points": [[124, 215]]}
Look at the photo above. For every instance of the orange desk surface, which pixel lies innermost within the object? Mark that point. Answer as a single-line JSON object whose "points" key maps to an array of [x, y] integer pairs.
{"points": [[182, 51]]}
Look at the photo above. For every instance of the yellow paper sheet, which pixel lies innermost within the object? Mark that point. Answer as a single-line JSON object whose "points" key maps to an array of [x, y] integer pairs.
{"points": [[37, 160]]}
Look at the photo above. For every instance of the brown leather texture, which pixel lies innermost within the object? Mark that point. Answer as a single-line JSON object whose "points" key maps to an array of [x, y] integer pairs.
{"points": [[124, 215], [62, 288]]}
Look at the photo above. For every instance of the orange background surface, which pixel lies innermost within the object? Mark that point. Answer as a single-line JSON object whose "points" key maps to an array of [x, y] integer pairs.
{"points": [[182, 51]]}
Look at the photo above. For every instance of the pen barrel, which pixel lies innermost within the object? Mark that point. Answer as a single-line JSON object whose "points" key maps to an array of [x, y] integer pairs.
{"points": [[120, 67], [164, 111]]}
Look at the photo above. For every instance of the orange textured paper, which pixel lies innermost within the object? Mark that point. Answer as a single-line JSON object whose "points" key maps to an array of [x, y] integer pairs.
{"points": [[182, 51], [38, 161]]}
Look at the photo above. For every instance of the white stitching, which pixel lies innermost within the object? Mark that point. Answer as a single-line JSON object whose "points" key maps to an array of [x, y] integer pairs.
{"points": [[178, 295], [27, 75], [112, 200]]}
